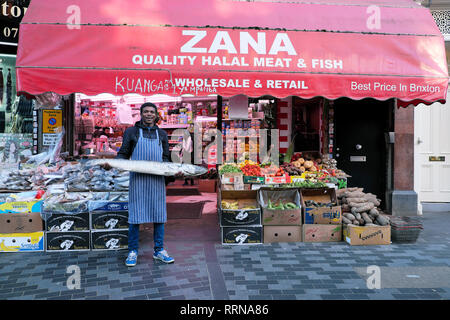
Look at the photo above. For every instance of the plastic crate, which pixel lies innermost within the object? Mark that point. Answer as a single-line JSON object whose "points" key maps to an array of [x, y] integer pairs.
{"points": [[403, 222], [405, 229], [409, 234]]}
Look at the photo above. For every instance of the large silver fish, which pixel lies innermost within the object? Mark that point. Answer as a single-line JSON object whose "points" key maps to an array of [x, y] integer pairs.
{"points": [[151, 167]]}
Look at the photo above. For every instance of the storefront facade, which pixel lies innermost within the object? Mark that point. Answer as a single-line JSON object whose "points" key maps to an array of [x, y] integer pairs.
{"points": [[305, 70]]}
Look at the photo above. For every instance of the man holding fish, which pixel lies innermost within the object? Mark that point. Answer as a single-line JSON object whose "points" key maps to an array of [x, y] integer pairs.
{"points": [[147, 192]]}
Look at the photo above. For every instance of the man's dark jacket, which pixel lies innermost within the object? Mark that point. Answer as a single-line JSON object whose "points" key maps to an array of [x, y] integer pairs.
{"points": [[131, 137]]}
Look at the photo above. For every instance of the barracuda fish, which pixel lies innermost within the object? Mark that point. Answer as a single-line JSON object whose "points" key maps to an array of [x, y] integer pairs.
{"points": [[151, 167]]}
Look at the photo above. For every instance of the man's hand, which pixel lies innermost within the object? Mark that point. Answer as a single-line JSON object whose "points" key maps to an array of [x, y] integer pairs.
{"points": [[179, 175], [106, 166]]}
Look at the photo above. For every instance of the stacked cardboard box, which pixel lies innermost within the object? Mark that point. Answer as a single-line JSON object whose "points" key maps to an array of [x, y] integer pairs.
{"points": [[109, 226], [240, 217], [281, 223], [21, 227], [321, 214], [67, 231]]}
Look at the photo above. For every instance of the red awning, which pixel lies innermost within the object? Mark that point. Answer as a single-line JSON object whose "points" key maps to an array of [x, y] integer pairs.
{"points": [[333, 48]]}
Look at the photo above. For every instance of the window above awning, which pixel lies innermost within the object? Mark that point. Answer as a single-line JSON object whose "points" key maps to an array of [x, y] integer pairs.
{"points": [[333, 48]]}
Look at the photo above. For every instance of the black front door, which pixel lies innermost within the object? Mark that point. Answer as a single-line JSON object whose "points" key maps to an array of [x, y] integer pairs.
{"points": [[361, 147]]}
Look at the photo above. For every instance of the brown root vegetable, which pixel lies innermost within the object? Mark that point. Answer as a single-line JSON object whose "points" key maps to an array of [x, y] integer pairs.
{"points": [[346, 221], [373, 212], [382, 220], [361, 221], [366, 207], [357, 204], [366, 218], [357, 200], [357, 216], [349, 216], [355, 222], [355, 194]]}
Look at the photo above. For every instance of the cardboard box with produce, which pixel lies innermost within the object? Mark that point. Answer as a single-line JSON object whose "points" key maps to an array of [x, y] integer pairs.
{"points": [[282, 234], [22, 242], [322, 232], [242, 235], [239, 208], [367, 235], [21, 222], [280, 206], [320, 206]]}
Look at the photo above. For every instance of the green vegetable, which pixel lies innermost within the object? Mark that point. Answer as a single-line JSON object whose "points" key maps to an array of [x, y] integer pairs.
{"points": [[290, 206], [229, 168]]}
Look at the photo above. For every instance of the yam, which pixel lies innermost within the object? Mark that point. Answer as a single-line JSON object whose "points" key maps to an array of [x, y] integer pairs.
{"points": [[349, 216], [358, 204], [357, 216], [355, 222], [346, 221], [355, 194], [357, 200], [373, 212], [366, 218], [353, 210], [366, 207], [382, 220], [361, 221], [345, 207]]}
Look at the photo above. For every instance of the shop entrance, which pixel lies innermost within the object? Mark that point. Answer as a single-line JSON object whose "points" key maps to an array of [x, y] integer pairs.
{"points": [[361, 148]]}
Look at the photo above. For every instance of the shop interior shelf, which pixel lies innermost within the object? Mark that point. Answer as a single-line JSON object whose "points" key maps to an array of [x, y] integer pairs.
{"points": [[170, 126]]}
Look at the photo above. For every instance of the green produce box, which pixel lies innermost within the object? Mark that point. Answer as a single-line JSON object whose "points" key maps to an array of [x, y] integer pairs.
{"points": [[287, 216]]}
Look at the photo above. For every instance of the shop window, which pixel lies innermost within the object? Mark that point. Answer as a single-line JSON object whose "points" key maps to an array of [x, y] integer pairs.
{"points": [[16, 116], [307, 124]]}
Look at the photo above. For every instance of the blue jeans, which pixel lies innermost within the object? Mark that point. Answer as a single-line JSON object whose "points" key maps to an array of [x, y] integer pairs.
{"points": [[158, 237]]}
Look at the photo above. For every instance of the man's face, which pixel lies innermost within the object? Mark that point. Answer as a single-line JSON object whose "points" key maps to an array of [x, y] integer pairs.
{"points": [[148, 115]]}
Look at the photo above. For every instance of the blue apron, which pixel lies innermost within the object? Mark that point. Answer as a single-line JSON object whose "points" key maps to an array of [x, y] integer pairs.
{"points": [[147, 192]]}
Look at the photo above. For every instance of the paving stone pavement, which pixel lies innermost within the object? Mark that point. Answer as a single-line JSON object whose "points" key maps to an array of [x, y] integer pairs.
{"points": [[206, 270]]}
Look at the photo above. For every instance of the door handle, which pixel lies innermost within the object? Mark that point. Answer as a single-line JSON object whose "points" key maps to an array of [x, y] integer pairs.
{"points": [[419, 141]]}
